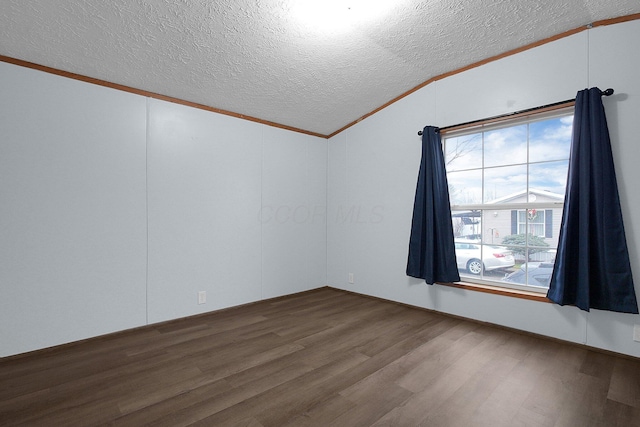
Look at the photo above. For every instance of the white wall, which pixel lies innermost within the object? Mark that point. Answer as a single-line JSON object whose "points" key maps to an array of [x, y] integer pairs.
{"points": [[228, 204], [72, 210], [115, 210], [373, 169]]}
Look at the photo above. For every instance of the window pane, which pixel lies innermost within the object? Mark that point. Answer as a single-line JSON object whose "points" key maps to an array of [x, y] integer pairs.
{"points": [[504, 181], [498, 225], [535, 216], [505, 146], [488, 262], [497, 260], [536, 229], [549, 177], [522, 217], [465, 187], [550, 139], [536, 232], [467, 224], [536, 274], [463, 152]]}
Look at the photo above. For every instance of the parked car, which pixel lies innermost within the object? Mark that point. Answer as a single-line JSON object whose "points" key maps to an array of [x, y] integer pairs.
{"points": [[474, 257], [533, 274]]}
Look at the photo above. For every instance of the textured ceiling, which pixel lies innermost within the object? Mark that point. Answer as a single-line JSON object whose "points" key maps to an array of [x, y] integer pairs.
{"points": [[257, 58]]}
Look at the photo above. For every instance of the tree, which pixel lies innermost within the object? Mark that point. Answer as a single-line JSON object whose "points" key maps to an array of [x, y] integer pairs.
{"points": [[458, 226], [463, 145], [520, 243]]}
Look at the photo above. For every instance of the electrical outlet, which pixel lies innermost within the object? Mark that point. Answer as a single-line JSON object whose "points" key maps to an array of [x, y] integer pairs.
{"points": [[202, 297], [351, 278], [636, 333]]}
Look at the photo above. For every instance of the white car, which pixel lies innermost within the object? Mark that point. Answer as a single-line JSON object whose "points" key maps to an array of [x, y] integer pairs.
{"points": [[474, 257]]}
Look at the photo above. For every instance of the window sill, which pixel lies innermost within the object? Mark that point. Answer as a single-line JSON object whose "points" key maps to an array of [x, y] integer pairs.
{"points": [[514, 293]]}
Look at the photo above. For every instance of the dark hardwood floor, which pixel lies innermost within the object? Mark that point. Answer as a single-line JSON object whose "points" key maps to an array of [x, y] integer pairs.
{"points": [[322, 358]]}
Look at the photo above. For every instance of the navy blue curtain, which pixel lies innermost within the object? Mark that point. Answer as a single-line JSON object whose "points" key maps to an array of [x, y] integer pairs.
{"points": [[592, 268], [432, 254]]}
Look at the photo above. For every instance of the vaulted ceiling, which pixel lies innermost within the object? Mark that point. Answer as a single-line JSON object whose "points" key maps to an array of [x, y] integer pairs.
{"points": [[267, 59]]}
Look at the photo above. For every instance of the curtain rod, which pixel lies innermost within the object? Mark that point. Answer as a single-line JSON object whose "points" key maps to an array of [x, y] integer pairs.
{"points": [[607, 92]]}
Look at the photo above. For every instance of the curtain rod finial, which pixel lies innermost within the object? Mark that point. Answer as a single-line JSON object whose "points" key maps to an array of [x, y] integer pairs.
{"points": [[607, 92]]}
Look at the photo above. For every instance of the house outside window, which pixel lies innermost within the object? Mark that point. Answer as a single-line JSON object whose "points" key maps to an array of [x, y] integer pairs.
{"points": [[507, 183]]}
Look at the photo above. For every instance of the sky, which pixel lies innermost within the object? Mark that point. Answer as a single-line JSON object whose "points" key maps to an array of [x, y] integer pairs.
{"points": [[544, 143]]}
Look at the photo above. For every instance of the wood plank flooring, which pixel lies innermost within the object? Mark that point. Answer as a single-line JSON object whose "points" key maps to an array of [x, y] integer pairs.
{"points": [[321, 358]]}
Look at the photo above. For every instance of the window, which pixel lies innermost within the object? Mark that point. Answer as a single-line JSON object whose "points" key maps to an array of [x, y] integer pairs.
{"points": [[535, 222], [507, 183], [529, 221]]}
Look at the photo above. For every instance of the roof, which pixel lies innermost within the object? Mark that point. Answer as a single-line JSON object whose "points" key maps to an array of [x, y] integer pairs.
{"points": [[532, 191]]}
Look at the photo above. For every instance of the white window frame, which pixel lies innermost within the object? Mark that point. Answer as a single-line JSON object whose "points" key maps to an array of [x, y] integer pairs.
{"points": [[487, 208]]}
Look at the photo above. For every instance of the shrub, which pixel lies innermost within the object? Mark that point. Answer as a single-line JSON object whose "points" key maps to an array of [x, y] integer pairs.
{"points": [[520, 240]]}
